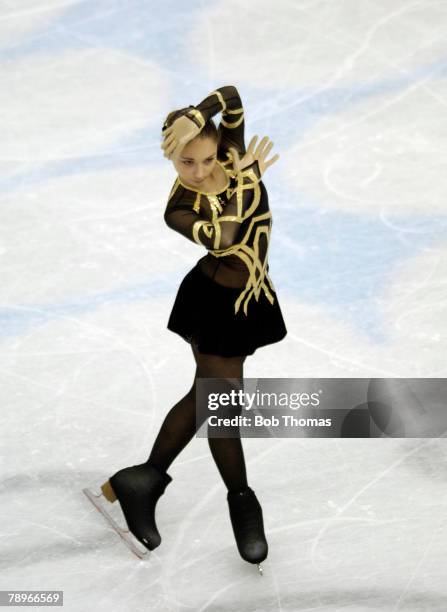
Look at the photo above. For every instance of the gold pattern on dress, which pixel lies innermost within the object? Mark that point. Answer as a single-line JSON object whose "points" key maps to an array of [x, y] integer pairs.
{"points": [[259, 283], [198, 115], [259, 226], [233, 125], [196, 206], [215, 205], [258, 277], [208, 229], [250, 255], [221, 99], [234, 111]]}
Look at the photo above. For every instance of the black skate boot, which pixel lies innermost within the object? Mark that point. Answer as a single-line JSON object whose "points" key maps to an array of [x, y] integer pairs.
{"points": [[138, 489], [248, 526]]}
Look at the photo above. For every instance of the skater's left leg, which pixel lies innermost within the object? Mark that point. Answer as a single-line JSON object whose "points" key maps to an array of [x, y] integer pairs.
{"points": [[245, 509]]}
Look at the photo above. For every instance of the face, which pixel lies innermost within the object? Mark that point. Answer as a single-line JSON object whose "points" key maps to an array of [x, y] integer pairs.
{"points": [[196, 161]]}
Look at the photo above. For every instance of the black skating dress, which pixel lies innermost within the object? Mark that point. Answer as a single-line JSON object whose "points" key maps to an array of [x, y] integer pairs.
{"points": [[226, 303]]}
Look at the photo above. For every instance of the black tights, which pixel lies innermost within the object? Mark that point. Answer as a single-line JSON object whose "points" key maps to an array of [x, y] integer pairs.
{"points": [[180, 425]]}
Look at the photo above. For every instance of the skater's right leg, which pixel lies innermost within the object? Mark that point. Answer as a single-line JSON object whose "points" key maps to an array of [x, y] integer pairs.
{"points": [[138, 487], [178, 428]]}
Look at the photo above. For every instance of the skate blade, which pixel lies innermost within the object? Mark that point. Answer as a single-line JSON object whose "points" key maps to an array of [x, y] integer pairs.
{"points": [[261, 571], [125, 534]]}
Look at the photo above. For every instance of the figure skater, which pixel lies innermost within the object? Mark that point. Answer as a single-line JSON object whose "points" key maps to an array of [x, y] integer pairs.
{"points": [[226, 306]]}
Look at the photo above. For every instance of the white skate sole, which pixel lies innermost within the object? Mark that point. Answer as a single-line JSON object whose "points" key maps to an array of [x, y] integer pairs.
{"points": [[124, 534]]}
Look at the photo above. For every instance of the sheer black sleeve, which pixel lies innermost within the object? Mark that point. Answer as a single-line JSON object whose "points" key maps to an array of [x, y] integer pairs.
{"points": [[183, 215], [232, 125]]}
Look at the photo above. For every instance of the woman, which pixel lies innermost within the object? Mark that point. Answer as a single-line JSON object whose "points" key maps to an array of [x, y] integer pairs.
{"points": [[226, 306]]}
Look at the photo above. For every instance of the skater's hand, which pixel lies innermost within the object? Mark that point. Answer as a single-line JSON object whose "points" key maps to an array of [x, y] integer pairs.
{"points": [[178, 135], [253, 155]]}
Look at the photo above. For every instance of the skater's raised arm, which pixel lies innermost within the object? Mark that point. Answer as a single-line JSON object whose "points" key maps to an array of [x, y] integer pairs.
{"points": [[226, 100], [231, 127]]}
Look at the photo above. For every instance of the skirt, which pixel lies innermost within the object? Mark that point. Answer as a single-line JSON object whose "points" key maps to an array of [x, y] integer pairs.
{"points": [[203, 312]]}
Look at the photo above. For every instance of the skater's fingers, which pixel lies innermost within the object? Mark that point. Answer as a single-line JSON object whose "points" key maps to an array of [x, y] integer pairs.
{"points": [[251, 145], [267, 149], [265, 145], [235, 155], [166, 144], [261, 146], [170, 149], [176, 152], [235, 152], [169, 139], [271, 161]]}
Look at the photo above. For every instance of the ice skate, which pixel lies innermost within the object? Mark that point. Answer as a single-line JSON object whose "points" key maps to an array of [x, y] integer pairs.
{"points": [[138, 489], [248, 527]]}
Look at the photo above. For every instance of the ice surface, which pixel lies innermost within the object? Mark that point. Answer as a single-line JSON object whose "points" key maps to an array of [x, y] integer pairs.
{"points": [[353, 95]]}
